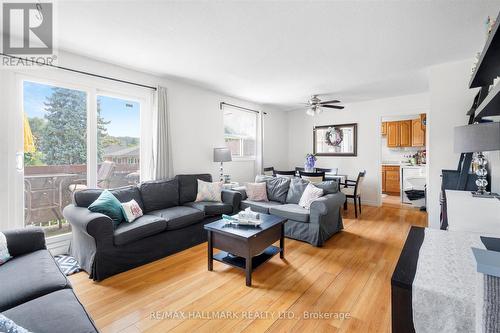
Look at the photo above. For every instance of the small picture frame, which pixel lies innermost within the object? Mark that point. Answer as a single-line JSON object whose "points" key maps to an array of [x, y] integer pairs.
{"points": [[335, 140]]}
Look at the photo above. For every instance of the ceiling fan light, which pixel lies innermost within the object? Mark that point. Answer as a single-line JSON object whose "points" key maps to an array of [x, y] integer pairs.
{"points": [[319, 110], [310, 112]]}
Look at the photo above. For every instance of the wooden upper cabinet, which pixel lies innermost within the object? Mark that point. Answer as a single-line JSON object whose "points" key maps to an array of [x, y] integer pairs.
{"points": [[417, 133], [405, 133], [393, 134], [384, 128]]}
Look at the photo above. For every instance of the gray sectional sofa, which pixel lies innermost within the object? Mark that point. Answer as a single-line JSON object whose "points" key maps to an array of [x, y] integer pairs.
{"points": [[314, 225], [34, 293], [172, 222]]}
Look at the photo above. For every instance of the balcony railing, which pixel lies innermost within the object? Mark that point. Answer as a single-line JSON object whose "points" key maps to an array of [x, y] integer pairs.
{"points": [[48, 190]]}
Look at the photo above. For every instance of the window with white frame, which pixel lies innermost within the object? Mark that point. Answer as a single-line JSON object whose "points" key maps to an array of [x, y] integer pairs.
{"points": [[240, 133]]}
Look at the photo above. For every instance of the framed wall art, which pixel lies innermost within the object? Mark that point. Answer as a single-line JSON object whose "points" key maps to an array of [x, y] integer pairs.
{"points": [[335, 140]]}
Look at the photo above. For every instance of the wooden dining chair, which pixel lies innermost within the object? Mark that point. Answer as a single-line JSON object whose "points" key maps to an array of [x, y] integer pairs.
{"points": [[269, 171], [352, 190], [313, 177], [289, 174]]}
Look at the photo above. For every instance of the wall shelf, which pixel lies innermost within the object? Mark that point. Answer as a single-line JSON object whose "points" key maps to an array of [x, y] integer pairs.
{"points": [[491, 104], [488, 66]]}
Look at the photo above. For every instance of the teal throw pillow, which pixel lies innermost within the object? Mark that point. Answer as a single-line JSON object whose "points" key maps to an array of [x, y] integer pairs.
{"points": [[108, 205]]}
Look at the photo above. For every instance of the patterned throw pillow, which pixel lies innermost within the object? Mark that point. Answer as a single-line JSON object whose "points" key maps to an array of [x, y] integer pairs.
{"points": [[208, 191], [131, 210], [4, 251], [310, 194], [256, 192]]}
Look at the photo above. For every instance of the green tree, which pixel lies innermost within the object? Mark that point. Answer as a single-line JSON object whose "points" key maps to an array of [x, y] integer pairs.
{"points": [[64, 137]]}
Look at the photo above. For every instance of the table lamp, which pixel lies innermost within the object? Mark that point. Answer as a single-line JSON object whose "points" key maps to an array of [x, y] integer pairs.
{"points": [[222, 155], [478, 138]]}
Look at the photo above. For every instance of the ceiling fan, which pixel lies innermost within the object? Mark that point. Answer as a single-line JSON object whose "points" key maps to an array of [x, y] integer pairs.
{"points": [[315, 105]]}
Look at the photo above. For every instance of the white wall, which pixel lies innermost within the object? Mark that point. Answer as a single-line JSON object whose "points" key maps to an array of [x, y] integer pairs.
{"points": [[275, 139], [368, 116], [450, 98]]}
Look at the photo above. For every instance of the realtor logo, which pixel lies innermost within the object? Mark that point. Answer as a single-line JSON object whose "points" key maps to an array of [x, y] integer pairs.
{"points": [[28, 28]]}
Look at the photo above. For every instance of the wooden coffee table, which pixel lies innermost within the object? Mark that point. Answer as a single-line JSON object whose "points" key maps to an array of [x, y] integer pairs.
{"points": [[246, 247]]}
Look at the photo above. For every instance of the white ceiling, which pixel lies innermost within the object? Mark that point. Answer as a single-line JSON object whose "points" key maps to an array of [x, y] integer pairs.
{"points": [[280, 52]]}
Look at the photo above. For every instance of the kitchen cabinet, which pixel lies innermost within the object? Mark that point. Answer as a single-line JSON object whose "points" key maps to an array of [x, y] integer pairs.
{"points": [[417, 133], [405, 133], [390, 179], [384, 128], [393, 134]]}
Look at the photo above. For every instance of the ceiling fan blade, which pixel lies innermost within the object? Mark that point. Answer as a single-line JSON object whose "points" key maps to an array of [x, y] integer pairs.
{"points": [[330, 102], [332, 106]]}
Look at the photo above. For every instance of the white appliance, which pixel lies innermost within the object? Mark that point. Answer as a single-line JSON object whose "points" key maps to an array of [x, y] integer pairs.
{"points": [[413, 178]]}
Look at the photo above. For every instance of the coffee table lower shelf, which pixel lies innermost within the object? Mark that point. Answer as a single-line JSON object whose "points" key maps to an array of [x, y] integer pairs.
{"points": [[240, 262]]}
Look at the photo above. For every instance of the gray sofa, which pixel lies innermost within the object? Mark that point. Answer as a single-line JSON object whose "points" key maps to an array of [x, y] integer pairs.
{"points": [[34, 293], [314, 225], [172, 222]]}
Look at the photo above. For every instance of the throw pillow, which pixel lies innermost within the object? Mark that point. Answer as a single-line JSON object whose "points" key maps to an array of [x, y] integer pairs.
{"points": [[328, 186], [277, 189], [297, 187], [4, 250], [208, 191], [310, 194], [109, 205], [131, 210], [8, 326], [257, 192]]}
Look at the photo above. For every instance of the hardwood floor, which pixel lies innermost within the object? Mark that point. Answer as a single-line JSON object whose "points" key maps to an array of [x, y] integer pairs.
{"points": [[347, 282]]}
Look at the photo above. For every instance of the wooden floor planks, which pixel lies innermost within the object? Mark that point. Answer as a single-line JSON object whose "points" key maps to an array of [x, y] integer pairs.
{"points": [[350, 275]]}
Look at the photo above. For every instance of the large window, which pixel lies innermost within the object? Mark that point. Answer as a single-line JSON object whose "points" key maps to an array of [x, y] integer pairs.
{"points": [[240, 132], [118, 142], [55, 152], [75, 139]]}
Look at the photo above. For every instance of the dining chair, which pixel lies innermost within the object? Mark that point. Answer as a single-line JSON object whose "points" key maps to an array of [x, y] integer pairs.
{"points": [[288, 174], [104, 175], [352, 190], [313, 177], [269, 171]]}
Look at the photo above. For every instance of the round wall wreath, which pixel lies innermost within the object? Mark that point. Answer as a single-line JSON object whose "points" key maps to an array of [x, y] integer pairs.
{"points": [[333, 137]]}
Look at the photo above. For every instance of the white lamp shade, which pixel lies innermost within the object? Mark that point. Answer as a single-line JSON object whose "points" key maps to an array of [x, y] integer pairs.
{"points": [[477, 138], [222, 154]]}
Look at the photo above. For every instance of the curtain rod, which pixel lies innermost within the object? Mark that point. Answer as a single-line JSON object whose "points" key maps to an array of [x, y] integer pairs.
{"points": [[80, 72], [221, 104]]}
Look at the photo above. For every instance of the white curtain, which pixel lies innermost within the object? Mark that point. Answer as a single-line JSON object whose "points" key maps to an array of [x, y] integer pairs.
{"points": [[163, 167]]}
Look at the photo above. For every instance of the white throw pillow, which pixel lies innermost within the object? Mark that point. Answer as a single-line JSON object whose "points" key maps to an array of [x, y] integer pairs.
{"points": [[208, 191], [310, 194], [256, 192], [4, 251], [131, 210]]}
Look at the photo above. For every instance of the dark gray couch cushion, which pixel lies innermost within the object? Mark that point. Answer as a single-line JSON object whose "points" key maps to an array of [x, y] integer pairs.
{"points": [[297, 188], [259, 206], [144, 226], [29, 276], [188, 186], [159, 194], [57, 312], [328, 186], [180, 216], [211, 208], [291, 212], [85, 198], [277, 187]]}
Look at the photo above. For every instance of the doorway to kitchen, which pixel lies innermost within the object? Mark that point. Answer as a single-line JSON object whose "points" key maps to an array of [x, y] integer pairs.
{"points": [[403, 168]]}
